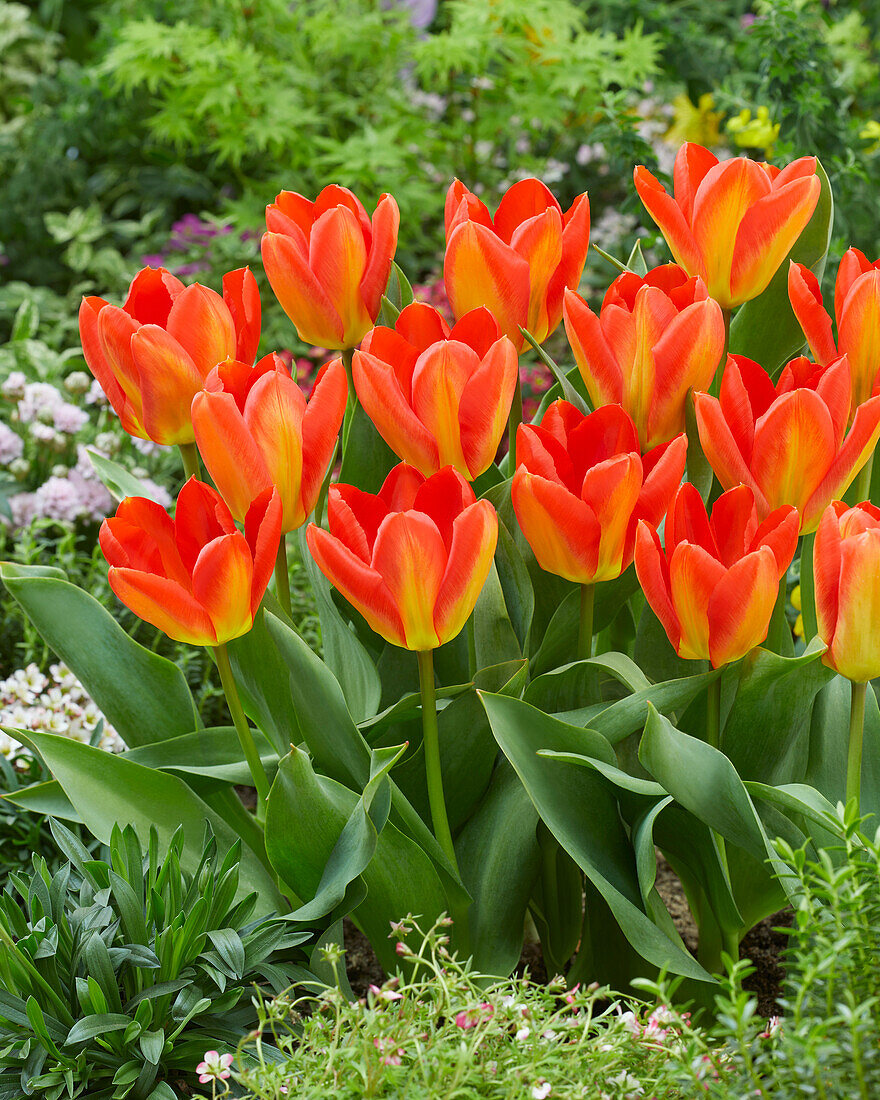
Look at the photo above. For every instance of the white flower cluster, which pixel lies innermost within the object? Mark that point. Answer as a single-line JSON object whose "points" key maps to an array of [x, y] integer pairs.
{"points": [[43, 406], [57, 703]]}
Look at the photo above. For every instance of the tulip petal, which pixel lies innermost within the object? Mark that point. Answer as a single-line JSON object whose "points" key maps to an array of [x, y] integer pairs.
{"points": [[560, 528], [463, 205], [302, 297], [439, 378], [222, 578], [611, 489], [539, 242], [855, 647], [852, 456], [380, 392], [242, 297], [418, 324], [663, 468], [100, 366], [478, 329], [721, 450], [201, 323], [444, 497], [262, 530], [151, 295], [826, 570], [144, 536], [164, 604], [859, 334], [853, 264], [410, 556], [385, 224], [400, 487], [733, 523], [360, 584], [652, 569], [596, 360], [229, 451], [794, 446], [692, 162], [806, 301], [199, 518], [767, 234], [485, 406], [526, 199], [668, 217], [481, 270], [338, 258], [575, 246], [780, 532], [693, 576], [169, 381], [740, 607], [687, 522], [353, 517], [474, 537], [321, 422], [273, 415]]}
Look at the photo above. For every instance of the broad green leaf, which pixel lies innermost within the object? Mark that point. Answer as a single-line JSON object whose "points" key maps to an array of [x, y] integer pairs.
{"points": [[519, 596], [119, 481], [579, 807], [42, 798], [348, 660], [143, 696], [399, 292], [798, 799], [628, 715], [646, 867], [215, 753], [499, 858], [494, 637], [572, 687], [699, 472], [305, 817], [656, 657], [105, 789], [90, 1027], [367, 458], [829, 739], [766, 328]]}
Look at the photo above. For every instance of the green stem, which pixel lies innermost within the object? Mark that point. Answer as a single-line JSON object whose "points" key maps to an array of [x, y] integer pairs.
{"points": [[432, 755], [472, 646], [856, 735], [351, 401], [779, 633], [282, 578], [863, 481], [189, 452], [318, 515], [808, 587], [251, 753], [713, 713], [585, 629], [513, 423], [715, 387]]}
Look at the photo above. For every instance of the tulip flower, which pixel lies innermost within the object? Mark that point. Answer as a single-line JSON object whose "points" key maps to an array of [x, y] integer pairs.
{"points": [[714, 586], [518, 263], [788, 442], [857, 312], [328, 262], [655, 339], [846, 564], [438, 397], [582, 485], [731, 222], [196, 577], [411, 559], [255, 430], [152, 354]]}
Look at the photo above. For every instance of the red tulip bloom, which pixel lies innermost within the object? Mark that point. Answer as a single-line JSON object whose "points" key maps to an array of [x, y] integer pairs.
{"points": [[655, 339], [846, 560], [152, 355], [518, 263], [438, 397], [789, 441], [731, 222], [255, 430], [328, 262], [582, 485], [196, 577], [857, 312], [714, 586], [412, 559]]}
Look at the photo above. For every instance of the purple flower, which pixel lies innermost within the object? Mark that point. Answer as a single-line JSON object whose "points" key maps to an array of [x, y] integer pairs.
{"points": [[11, 446]]}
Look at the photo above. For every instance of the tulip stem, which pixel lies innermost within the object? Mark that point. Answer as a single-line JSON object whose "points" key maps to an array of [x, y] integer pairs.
{"points": [[513, 423], [715, 386], [351, 400], [808, 588], [585, 629], [856, 735], [189, 452], [713, 713], [282, 578], [431, 740], [251, 753], [863, 481], [779, 635]]}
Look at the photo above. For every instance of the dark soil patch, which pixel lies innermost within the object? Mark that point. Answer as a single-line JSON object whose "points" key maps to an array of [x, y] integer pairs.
{"points": [[361, 964], [764, 946]]}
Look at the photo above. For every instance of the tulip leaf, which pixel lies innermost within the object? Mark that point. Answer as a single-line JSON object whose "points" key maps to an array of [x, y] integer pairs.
{"points": [[656, 657], [702, 780], [120, 482], [699, 472], [366, 459], [580, 809], [42, 798], [767, 731], [829, 739], [407, 709], [348, 660], [142, 695], [557, 903], [613, 260], [305, 818], [499, 859], [105, 788], [516, 586], [799, 799], [399, 292], [636, 261], [570, 394], [766, 329], [495, 640], [214, 753], [646, 866], [572, 686]]}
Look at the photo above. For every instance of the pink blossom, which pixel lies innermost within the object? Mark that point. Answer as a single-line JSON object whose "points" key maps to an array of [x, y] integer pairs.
{"points": [[11, 446], [470, 1017], [214, 1067]]}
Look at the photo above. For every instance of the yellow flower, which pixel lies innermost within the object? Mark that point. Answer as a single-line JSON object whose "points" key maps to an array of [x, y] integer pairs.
{"points": [[753, 133], [796, 604], [871, 132], [697, 123]]}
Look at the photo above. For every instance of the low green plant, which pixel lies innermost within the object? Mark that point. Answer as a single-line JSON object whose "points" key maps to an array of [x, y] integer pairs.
{"points": [[21, 834], [117, 974]]}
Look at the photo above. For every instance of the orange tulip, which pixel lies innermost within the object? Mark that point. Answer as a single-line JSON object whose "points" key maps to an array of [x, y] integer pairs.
{"points": [[846, 560], [519, 263], [255, 430], [412, 559], [581, 486], [731, 222], [438, 397], [655, 338], [789, 441], [196, 577], [714, 587], [152, 355], [857, 310], [328, 263]]}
